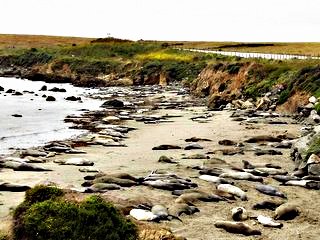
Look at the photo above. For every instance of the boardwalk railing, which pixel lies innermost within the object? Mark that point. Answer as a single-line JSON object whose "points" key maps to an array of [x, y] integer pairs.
{"points": [[253, 55]]}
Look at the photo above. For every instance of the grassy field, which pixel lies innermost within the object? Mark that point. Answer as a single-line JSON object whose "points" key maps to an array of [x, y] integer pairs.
{"points": [[307, 48]]}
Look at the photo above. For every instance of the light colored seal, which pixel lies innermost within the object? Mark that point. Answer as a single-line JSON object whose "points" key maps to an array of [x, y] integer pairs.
{"points": [[268, 222], [233, 190], [286, 212], [142, 215], [237, 227], [239, 214], [242, 176]]}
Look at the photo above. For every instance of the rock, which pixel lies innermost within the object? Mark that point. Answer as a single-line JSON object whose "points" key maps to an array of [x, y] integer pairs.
{"points": [[16, 115], [50, 99], [17, 94], [193, 146], [1, 89], [113, 103], [10, 91], [313, 99], [73, 98], [166, 147], [314, 116], [56, 89], [43, 88]]}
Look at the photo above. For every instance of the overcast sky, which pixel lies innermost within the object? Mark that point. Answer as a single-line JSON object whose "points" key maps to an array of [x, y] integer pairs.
{"points": [[210, 20]]}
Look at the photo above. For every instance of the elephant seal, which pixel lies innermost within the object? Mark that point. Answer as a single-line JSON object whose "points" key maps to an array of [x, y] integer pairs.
{"points": [[23, 166], [142, 215], [268, 222], [75, 161], [248, 165], [103, 187], [233, 190], [110, 179], [191, 198], [237, 227], [4, 186], [178, 209], [239, 214], [272, 171], [286, 212], [271, 205], [162, 213], [214, 179], [270, 190], [241, 176], [310, 184], [284, 178]]}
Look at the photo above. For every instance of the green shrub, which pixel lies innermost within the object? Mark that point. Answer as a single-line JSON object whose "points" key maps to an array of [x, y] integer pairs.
{"points": [[32, 57], [4, 236], [51, 217], [314, 147]]}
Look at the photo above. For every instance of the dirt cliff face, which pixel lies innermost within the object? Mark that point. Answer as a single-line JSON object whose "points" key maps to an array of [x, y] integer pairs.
{"points": [[223, 81]]}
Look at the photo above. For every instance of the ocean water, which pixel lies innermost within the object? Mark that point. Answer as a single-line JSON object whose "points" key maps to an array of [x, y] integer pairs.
{"points": [[41, 121]]}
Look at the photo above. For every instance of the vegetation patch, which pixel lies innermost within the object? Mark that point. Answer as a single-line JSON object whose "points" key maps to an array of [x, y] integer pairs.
{"points": [[45, 214]]}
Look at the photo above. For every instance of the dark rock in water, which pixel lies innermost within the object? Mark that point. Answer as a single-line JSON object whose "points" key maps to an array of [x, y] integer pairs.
{"points": [[16, 115], [17, 94], [13, 187], [50, 99], [271, 205], [166, 147], [227, 142], [113, 103], [73, 98], [193, 146], [196, 139], [56, 89], [1, 89], [258, 139], [10, 91], [260, 152], [44, 88]]}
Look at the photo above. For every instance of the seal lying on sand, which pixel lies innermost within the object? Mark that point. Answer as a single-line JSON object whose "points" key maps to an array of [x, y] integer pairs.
{"points": [[239, 214], [286, 212], [268, 204], [268, 222], [237, 227], [248, 165], [191, 198], [22, 166], [241, 176], [4, 186], [233, 190], [178, 209], [270, 190]]}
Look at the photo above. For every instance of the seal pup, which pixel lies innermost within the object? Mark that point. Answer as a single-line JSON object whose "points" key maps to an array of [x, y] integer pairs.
{"points": [[233, 190], [213, 179], [272, 171], [4, 186], [162, 213], [270, 190], [248, 165], [286, 212], [284, 178], [268, 222], [23, 166], [239, 214], [237, 227]]}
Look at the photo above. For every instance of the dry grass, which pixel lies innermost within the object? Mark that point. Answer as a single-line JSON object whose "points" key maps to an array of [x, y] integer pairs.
{"points": [[27, 41]]}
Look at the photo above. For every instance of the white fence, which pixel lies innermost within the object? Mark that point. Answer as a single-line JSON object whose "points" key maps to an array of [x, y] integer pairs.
{"points": [[254, 55]]}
